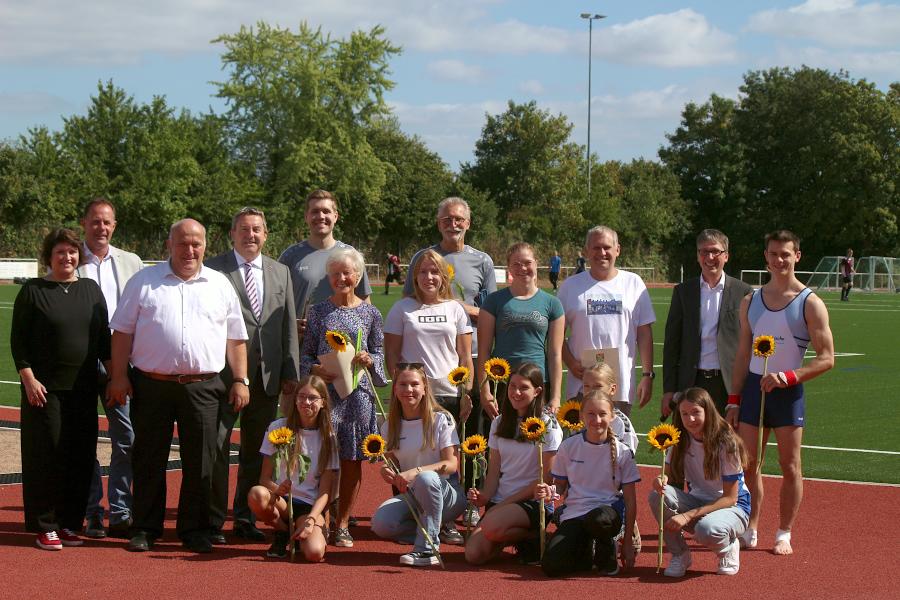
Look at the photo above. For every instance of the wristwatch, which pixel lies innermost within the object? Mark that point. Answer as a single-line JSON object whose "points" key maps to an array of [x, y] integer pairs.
{"points": [[243, 380], [651, 374]]}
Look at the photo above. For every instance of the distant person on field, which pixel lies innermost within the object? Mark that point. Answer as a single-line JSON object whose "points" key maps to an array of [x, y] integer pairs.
{"points": [[795, 317], [555, 266], [847, 271], [111, 268], [580, 263], [703, 326], [394, 272]]}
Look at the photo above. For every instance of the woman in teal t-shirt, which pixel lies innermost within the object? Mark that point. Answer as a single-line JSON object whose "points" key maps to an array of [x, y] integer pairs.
{"points": [[521, 323]]}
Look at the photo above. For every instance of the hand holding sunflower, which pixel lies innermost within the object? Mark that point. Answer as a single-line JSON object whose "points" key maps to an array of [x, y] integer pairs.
{"points": [[662, 437]]}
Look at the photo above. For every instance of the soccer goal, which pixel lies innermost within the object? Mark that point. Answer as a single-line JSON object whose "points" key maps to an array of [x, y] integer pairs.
{"points": [[873, 274]]}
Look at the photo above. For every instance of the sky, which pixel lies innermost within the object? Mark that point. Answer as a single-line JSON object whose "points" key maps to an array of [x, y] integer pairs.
{"points": [[461, 59]]}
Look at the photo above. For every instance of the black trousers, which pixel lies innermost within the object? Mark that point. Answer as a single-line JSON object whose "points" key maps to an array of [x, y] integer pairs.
{"points": [[716, 388], [156, 406], [255, 419], [571, 549], [59, 445]]}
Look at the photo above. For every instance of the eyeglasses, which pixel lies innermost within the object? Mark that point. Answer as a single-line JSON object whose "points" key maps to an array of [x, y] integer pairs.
{"points": [[448, 220], [411, 365], [716, 253], [305, 398]]}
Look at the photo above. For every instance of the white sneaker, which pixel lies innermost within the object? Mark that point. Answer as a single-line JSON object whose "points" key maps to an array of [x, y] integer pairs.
{"points": [[418, 559], [730, 559], [678, 566], [748, 539]]}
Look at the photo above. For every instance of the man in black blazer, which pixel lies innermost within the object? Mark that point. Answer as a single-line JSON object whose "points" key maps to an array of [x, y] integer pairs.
{"points": [[703, 326], [267, 303]]}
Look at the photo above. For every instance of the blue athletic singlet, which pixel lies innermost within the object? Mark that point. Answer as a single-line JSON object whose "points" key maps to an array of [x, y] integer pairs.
{"points": [[787, 326]]}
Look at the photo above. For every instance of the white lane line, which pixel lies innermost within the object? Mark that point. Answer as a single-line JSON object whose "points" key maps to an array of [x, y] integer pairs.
{"points": [[805, 447]]}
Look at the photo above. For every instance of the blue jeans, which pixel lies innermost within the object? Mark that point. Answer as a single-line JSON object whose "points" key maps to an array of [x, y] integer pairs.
{"points": [[121, 437], [715, 530], [441, 501]]}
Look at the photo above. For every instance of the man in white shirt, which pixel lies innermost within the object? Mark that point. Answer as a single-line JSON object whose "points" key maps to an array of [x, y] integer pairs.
{"points": [[267, 302], [111, 268], [178, 322], [703, 326], [608, 308]]}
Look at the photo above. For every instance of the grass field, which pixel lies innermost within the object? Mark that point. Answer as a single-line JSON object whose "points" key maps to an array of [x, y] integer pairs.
{"points": [[853, 411]]}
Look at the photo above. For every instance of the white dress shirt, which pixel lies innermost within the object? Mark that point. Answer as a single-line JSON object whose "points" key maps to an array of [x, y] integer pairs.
{"points": [[710, 302], [179, 327], [103, 271], [256, 269]]}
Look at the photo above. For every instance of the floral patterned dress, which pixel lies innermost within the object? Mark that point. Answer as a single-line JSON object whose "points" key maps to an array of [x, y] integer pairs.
{"points": [[353, 417]]}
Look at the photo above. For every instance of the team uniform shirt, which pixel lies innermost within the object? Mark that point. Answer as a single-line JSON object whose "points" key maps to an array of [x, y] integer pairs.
{"points": [[710, 303], [847, 266], [311, 445], [710, 490], [179, 327], [624, 430], [522, 326], [410, 454], [588, 470], [518, 458], [429, 334], [787, 326], [474, 273], [309, 275], [606, 314]]}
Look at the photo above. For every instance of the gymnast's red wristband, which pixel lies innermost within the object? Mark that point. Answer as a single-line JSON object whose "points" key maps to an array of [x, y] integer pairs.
{"points": [[791, 378], [734, 399]]}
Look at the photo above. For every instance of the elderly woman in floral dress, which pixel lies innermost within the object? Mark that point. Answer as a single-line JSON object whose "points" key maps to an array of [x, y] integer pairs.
{"points": [[353, 417]]}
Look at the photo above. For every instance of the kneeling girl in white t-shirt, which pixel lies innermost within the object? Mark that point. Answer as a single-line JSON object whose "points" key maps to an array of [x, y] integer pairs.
{"points": [[711, 458], [309, 417], [513, 514], [596, 473], [422, 441]]}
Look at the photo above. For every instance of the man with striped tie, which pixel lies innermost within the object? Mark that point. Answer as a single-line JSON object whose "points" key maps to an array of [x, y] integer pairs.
{"points": [[267, 303]]}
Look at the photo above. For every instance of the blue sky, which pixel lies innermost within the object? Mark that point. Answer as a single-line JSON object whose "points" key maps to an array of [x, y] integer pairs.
{"points": [[461, 59]]}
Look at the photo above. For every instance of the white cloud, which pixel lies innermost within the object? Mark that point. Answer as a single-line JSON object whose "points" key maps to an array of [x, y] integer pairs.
{"points": [[680, 39], [456, 70], [32, 103], [833, 23], [532, 87], [858, 64]]}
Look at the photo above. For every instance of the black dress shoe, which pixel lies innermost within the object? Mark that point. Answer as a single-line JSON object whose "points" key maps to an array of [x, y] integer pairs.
{"points": [[197, 543], [121, 529], [248, 531], [217, 538], [140, 542]]}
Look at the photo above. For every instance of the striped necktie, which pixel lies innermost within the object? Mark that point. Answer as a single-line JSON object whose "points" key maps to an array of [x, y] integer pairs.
{"points": [[252, 293]]}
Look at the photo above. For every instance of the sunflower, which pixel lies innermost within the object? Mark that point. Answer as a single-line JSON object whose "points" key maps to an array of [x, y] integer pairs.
{"points": [[373, 446], [281, 436], [451, 272], [663, 436], [764, 346], [458, 376], [497, 369], [337, 340], [569, 416], [533, 428], [474, 445]]}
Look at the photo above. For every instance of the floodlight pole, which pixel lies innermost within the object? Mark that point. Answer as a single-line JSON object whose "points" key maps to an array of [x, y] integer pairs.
{"points": [[590, 19]]}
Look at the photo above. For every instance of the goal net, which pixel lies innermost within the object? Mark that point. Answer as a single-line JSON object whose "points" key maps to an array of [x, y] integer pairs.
{"points": [[873, 274]]}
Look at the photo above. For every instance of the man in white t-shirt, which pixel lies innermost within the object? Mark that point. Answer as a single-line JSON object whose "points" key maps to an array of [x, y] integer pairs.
{"points": [[608, 308]]}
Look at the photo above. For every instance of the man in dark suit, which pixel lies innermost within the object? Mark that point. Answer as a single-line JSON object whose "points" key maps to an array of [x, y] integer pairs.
{"points": [[703, 326], [267, 303]]}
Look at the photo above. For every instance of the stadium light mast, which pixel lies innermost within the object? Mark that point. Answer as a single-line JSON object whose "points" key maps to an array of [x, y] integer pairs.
{"points": [[590, 19]]}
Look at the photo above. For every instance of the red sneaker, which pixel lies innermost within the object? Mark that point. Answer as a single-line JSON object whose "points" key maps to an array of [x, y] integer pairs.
{"points": [[48, 540], [69, 538]]}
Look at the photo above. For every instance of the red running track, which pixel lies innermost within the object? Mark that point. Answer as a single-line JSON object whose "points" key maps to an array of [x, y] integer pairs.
{"points": [[845, 546]]}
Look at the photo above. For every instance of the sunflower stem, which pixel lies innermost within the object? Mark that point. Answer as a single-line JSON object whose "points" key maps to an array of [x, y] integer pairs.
{"points": [[662, 497], [290, 510], [410, 502], [543, 518], [762, 412]]}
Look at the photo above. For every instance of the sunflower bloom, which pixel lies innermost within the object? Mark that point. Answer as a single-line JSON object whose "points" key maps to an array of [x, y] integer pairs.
{"points": [[474, 445], [497, 369], [569, 416], [373, 446], [451, 272], [337, 340], [281, 436], [533, 428], [458, 376], [764, 346], [663, 436]]}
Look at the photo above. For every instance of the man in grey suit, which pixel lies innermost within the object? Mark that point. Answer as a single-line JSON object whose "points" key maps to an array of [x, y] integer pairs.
{"points": [[703, 326], [267, 303], [111, 268]]}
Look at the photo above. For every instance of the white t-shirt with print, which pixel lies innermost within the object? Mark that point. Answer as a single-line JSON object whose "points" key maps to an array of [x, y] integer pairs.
{"points": [[410, 454], [518, 459], [311, 446], [606, 314], [429, 334], [587, 468]]}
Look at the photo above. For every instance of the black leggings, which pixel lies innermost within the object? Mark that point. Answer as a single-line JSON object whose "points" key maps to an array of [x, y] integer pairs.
{"points": [[570, 548]]}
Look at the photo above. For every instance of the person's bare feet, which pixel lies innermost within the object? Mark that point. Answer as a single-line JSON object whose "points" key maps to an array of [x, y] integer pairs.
{"points": [[782, 543]]}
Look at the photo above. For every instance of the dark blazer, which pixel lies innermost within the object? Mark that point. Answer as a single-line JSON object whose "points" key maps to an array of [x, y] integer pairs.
{"points": [[272, 347], [681, 351]]}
